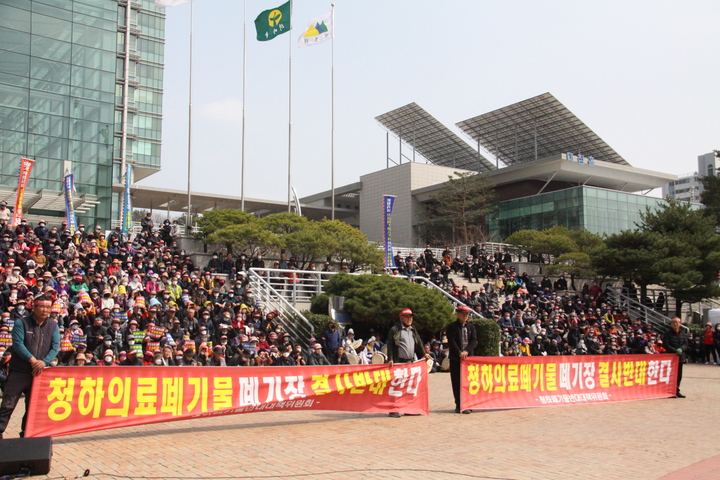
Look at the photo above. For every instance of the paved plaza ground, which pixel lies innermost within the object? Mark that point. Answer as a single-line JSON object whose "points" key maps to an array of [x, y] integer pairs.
{"points": [[669, 439]]}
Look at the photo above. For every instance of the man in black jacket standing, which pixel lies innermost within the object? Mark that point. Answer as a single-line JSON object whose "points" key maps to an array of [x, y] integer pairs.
{"points": [[675, 340], [462, 340]]}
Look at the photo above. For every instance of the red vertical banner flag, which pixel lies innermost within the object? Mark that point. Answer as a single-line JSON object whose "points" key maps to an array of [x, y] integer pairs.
{"points": [[26, 166], [521, 382], [68, 400]]}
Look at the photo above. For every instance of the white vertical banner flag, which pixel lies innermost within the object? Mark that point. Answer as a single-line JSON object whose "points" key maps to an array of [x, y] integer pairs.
{"points": [[169, 3], [318, 30]]}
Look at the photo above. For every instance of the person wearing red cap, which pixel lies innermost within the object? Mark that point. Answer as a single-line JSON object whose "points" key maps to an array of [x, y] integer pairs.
{"points": [[404, 344], [462, 340]]}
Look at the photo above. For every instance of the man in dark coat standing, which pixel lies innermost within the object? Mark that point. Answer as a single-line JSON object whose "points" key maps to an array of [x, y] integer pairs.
{"points": [[675, 340], [462, 340]]}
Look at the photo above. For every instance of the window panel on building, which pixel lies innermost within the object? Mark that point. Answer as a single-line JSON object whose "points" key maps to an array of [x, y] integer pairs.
{"points": [[94, 58], [14, 63], [12, 119], [50, 71], [14, 41], [94, 37], [52, 27], [14, 143], [20, 19]]}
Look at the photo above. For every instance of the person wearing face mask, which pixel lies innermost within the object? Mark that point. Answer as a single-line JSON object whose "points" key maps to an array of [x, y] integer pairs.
{"points": [[284, 359], [62, 285], [95, 334], [106, 346], [174, 290], [218, 357], [331, 339], [4, 213], [242, 263], [228, 266], [205, 321], [201, 338], [214, 265], [157, 360], [14, 277], [298, 356], [107, 301], [24, 228], [258, 261], [20, 311], [168, 318], [188, 358]]}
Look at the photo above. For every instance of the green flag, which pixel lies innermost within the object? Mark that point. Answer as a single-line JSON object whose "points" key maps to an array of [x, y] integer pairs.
{"points": [[271, 23]]}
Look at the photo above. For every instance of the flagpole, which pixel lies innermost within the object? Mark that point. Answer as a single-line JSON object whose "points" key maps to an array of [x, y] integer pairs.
{"points": [[332, 101], [188, 224], [290, 38], [242, 162]]}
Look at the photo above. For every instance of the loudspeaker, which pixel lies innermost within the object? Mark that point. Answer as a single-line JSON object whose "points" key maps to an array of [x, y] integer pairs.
{"points": [[21, 455]]}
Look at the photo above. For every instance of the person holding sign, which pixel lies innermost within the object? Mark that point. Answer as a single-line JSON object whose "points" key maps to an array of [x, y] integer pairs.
{"points": [[36, 342], [675, 340], [462, 340], [404, 344]]}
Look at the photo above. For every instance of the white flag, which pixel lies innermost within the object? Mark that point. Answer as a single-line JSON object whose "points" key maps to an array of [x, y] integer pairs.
{"points": [[169, 3], [317, 31]]}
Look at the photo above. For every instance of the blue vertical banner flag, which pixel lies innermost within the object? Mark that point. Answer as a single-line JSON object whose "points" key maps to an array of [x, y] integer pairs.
{"points": [[127, 210], [388, 202], [69, 187]]}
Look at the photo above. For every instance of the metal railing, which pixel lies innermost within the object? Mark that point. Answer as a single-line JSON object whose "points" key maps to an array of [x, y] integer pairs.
{"points": [[294, 286], [461, 251], [137, 227], [306, 284], [454, 301], [637, 310], [698, 308], [294, 322], [283, 290]]}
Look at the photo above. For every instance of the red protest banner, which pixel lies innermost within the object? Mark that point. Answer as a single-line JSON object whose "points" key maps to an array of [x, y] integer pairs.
{"points": [[520, 382], [6, 340], [67, 400], [155, 331], [26, 166]]}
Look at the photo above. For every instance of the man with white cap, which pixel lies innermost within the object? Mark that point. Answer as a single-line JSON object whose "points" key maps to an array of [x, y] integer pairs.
{"points": [[462, 340], [350, 339]]}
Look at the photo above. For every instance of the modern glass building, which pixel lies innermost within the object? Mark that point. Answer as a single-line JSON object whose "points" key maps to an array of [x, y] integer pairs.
{"points": [[81, 92], [597, 210], [548, 168]]}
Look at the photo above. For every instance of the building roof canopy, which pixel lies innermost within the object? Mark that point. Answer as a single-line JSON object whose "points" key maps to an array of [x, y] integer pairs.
{"points": [[431, 139], [543, 123]]}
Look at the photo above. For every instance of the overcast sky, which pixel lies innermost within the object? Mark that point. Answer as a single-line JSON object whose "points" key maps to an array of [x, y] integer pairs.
{"points": [[644, 75]]}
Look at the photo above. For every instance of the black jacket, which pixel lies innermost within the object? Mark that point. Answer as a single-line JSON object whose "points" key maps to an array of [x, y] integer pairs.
{"points": [[672, 341], [454, 336]]}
